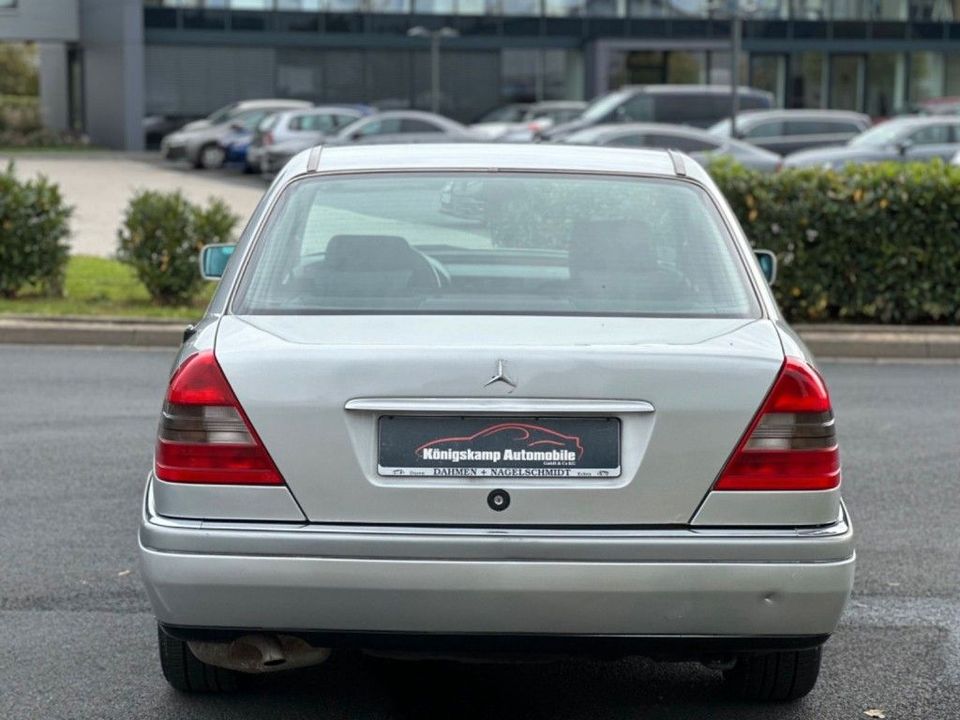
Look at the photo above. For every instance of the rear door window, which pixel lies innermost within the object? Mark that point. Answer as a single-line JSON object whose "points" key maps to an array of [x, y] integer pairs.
{"points": [[379, 127], [933, 135], [766, 129], [820, 127], [683, 143], [410, 125], [626, 140]]}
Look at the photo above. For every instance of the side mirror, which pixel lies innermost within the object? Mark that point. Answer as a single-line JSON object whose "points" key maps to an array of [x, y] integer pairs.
{"points": [[213, 260], [904, 146], [768, 264], [237, 127]]}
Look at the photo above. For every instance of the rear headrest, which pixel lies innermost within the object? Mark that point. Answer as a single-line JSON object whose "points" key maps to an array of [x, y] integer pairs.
{"points": [[369, 252], [610, 245]]}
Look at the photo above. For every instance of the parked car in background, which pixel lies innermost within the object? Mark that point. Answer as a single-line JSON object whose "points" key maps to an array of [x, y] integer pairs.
{"points": [[699, 144], [403, 126], [905, 139], [585, 427], [299, 129], [199, 142], [698, 105], [519, 122], [788, 131]]}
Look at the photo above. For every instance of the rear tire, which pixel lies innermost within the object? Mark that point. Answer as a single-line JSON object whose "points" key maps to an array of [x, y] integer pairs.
{"points": [[188, 674], [774, 677]]}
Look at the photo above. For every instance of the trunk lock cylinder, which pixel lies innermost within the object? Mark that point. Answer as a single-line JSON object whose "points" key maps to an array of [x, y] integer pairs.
{"points": [[498, 500]]}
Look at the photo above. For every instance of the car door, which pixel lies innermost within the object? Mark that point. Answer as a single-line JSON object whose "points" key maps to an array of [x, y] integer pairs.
{"points": [[931, 141]]}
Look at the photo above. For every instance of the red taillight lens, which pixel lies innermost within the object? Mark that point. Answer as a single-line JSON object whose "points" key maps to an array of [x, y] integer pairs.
{"points": [[268, 139], [204, 435], [791, 443]]}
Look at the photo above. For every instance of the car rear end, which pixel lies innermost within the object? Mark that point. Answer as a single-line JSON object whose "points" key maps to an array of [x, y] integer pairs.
{"points": [[579, 425]]}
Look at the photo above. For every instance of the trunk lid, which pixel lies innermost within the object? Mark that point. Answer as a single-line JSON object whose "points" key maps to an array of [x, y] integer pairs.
{"points": [[682, 392]]}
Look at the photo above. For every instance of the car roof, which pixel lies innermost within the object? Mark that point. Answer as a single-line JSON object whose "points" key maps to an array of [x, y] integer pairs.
{"points": [[560, 104], [547, 157], [748, 115], [274, 102], [921, 120], [624, 128], [410, 114], [695, 89]]}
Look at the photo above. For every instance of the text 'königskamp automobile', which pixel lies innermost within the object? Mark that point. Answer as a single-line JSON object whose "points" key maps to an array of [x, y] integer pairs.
{"points": [[572, 422]]}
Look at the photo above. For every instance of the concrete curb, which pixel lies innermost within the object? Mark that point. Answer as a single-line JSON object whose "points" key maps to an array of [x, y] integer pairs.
{"points": [[839, 341], [882, 341], [68, 331]]}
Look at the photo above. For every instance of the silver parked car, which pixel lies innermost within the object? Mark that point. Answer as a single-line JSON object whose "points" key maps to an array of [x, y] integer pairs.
{"points": [[583, 426], [199, 142], [404, 126], [297, 130], [521, 122], [699, 144], [903, 139], [787, 131]]}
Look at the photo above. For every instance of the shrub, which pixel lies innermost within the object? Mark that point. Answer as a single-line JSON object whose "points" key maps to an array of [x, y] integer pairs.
{"points": [[161, 237], [872, 243], [34, 222]]}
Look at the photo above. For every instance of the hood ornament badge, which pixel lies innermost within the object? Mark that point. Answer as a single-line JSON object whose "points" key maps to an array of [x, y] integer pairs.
{"points": [[501, 376]]}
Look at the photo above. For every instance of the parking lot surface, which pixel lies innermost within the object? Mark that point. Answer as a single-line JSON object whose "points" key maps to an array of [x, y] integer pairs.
{"points": [[77, 639], [100, 184]]}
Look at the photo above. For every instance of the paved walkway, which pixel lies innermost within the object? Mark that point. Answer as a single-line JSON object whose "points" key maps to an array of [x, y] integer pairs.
{"points": [[99, 185]]}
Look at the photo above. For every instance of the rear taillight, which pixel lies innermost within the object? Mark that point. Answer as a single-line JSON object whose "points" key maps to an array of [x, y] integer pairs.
{"points": [[204, 435], [791, 443], [268, 139]]}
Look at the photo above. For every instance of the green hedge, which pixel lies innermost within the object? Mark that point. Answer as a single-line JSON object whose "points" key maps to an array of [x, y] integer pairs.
{"points": [[873, 243], [34, 224], [161, 237]]}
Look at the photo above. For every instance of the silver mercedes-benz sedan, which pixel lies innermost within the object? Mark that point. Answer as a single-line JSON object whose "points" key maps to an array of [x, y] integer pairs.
{"points": [[572, 423]]}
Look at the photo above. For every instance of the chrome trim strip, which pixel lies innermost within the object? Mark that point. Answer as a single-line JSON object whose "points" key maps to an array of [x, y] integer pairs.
{"points": [[533, 406]]}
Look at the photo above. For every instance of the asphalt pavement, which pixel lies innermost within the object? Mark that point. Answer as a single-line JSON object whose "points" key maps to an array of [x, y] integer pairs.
{"points": [[77, 639]]}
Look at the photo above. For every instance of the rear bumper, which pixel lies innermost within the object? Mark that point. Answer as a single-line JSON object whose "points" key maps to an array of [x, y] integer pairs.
{"points": [[338, 583]]}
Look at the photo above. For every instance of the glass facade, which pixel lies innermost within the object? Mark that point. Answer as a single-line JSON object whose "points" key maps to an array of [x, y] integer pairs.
{"points": [[919, 10], [807, 53]]}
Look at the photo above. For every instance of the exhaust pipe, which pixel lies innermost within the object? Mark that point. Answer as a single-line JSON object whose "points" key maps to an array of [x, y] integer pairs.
{"points": [[260, 653]]}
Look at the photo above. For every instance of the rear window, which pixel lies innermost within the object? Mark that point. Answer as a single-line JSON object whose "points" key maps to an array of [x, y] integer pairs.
{"points": [[495, 243]]}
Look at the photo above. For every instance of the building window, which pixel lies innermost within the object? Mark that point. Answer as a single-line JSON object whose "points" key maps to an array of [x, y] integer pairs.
{"points": [[886, 83], [953, 75], [805, 89], [846, 82], [926, 76], [768, 72]]}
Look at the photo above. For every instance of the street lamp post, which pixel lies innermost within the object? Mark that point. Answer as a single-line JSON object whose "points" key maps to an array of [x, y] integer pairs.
{"points": [[736, 9], [736, 42], [435, 37]]}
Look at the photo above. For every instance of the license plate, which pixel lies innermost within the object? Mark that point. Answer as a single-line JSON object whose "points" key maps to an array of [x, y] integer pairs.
{"points": [[531, 447]]}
